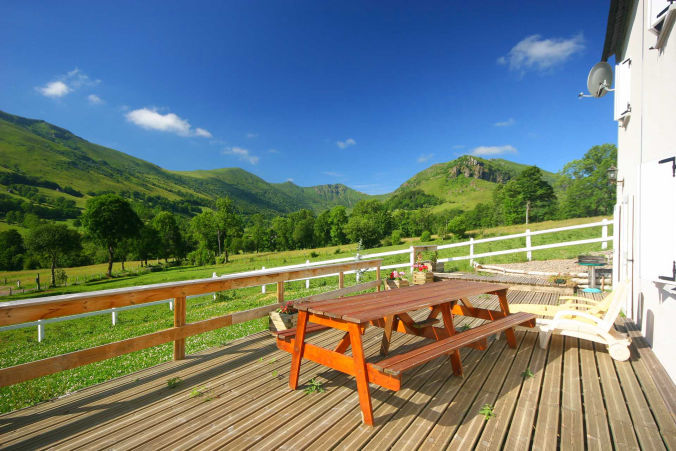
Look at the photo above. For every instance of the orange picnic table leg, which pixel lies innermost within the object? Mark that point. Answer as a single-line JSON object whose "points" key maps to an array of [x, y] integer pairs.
{"points": [[298, 348], [343, 344], [360, 374], [448, 324], [509, 333]]}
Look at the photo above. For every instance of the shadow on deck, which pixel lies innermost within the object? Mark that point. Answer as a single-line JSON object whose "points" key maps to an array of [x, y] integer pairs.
{"points": [[237, 396]]}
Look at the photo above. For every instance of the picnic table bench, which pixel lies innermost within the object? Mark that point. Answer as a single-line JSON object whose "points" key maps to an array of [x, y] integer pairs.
{"points": [[390, 311]]}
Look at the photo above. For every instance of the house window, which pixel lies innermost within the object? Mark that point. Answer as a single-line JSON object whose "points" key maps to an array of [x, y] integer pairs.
{"points": [[622, 89], [661, 17]]}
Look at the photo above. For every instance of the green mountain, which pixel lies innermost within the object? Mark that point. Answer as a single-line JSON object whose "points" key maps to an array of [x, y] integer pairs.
{"points": [[46, 163], [53, 159], [465, 181]]}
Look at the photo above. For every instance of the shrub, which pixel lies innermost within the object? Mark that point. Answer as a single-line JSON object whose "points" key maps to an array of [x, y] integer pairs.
{"points": [[426, 236], [337, 251], [313, 254], [396, 237], [387, 241]]}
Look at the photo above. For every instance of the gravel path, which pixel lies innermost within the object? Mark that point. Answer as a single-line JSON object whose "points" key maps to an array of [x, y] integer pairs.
{"points": [[569, 266]]}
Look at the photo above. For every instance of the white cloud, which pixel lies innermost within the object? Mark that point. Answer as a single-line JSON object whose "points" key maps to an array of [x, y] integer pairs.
{"points": [[534, 52], [273, 151], [151, 119], [424, 157], [493, 150], [252, 135], [94, 99], [459, 146], [509, 122], [289, 180], [202, 133], [242, 154], [54, 89], [65, 84], [347, 143]]}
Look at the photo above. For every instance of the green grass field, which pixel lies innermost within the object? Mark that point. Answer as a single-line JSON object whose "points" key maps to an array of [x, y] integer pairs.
{"points": [[21, 345]]}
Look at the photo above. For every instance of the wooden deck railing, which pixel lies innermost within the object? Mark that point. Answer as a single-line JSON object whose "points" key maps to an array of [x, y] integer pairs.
{"points": [[58, 306]]}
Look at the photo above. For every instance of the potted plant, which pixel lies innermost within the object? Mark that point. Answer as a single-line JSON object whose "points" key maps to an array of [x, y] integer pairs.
{"points": [[285, 317], [430, 258], [422, 274], [560, 279], [396, 280]]}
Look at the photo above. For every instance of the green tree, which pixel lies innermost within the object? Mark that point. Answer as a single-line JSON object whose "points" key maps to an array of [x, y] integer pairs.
{"points": [[528, 197], [338, 217], [52, 242], [303, 228], [147, 243], [323, 228], [228, 224], [12, 250], [585, 185], [369, 222], [109, 219], [170, 237], [259, 232], [281, 232], [204, 227]]}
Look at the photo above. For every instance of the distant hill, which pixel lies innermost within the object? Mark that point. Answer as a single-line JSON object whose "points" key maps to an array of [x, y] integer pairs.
{"points": [[466, 181], [40, 150], [61, 164]]}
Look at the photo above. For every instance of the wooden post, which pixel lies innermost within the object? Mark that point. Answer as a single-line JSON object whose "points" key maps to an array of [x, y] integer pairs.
{"points": [[341, 279], [378, 277], [604, 233], [179, 320], [529, 254], [280, 291]]}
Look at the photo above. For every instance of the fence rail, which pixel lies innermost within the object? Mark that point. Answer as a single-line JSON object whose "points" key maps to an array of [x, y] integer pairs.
{"points": [[56, 307]]}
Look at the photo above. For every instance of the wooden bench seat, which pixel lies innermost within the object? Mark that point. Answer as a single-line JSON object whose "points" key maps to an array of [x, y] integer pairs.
{"points": [[397, 364], [291, 333]]}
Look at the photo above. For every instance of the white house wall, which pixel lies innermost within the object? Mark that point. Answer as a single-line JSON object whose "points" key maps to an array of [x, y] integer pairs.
{"points": [[648, 135]]}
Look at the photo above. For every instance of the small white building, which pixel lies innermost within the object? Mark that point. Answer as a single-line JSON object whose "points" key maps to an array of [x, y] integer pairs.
{"points": [[640, 36]]}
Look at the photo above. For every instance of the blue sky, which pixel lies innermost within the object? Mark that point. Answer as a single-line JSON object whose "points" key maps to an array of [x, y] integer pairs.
{"points": [[361, 93]]}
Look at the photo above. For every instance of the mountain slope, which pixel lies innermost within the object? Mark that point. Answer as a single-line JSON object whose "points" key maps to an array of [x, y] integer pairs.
{"points": [[465, 181], [36, 148]]}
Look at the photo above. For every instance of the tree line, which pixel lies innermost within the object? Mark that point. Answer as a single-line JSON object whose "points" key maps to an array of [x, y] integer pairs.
{"points": [[116, 229]]}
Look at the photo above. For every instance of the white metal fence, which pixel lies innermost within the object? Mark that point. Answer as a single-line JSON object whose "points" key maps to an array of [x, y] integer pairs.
{"points": [[411, 251]]}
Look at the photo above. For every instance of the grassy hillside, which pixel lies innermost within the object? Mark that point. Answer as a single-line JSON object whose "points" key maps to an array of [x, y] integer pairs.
{"points": [[38, 149], [466, 181]]}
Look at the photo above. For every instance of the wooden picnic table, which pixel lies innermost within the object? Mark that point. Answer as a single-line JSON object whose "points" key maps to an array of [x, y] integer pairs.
{"points": [[390, 310]]}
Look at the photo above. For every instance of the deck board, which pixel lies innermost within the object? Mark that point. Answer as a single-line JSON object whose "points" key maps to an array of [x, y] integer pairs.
{"points": [[237, 397]]}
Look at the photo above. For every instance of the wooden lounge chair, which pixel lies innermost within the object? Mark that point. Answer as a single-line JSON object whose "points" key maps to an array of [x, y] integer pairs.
{"points": [[583, 318]]}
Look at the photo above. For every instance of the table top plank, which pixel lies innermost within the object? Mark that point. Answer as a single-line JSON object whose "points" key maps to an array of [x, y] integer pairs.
{"points": [[364, 308]]}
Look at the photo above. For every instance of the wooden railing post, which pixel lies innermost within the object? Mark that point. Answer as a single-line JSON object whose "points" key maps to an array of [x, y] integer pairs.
{"points": [[604, 233], [378, 276], [341, 279], [179, 320], [280, 291], [529, 254]]}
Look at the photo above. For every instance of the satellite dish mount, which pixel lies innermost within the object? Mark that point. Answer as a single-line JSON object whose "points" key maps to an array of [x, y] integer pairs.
{"points": [[599, 81]]}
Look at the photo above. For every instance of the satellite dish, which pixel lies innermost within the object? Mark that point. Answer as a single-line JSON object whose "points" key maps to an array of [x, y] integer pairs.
{"points": [[600, 79]]}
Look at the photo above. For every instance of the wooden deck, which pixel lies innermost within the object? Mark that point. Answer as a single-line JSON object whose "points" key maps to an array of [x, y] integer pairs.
{"points": [[237, 397]]}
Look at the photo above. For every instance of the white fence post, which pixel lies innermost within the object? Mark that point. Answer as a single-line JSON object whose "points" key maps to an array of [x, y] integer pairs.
{"points": [[307, 281], [471, 251], [171, 304], [41, 330], [357, 273], [604, 233], [529, 253], [114, 315], [412, 260], [213, 276], [263, 287]]}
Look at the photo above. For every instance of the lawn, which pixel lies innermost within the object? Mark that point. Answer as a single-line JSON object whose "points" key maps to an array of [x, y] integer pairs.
{"points": [[21, 345]]}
